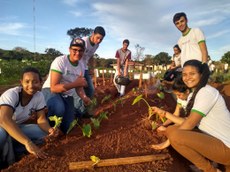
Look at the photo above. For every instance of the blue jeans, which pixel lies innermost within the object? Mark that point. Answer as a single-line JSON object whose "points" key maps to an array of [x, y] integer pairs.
{"points": [[61, 106], [89, 90], [32, 131]]}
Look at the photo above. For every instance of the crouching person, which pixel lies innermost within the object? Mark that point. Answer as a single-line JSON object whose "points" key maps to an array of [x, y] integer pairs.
{"points": [[64, 87], [17, 106]]}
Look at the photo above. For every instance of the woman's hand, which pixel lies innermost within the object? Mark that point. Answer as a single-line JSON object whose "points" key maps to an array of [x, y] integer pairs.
{"points": [[33, 149], [159, 111]]}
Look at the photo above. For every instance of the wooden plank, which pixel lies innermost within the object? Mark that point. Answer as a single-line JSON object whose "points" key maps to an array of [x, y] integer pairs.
{"points": [[117, 161]]}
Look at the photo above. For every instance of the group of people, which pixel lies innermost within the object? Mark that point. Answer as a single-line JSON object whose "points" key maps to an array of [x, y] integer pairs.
{"points": [[201, 135], [66, 93]]}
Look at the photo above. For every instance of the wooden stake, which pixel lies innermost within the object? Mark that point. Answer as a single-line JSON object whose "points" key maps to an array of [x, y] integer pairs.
{"points": [[116, 161]]}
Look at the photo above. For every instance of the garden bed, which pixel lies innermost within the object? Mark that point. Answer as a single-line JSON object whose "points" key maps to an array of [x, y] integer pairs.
{"points": [[123, 134]]}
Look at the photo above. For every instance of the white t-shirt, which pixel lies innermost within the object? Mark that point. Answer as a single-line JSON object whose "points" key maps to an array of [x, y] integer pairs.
{"points": [[189, 45], [182, 103], [68, 71], [22, 113], [216, 117], [89, 51], [177, 60]]}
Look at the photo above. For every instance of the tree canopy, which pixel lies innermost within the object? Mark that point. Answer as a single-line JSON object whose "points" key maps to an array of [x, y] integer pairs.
{"points": [[226, 58], [79, 32]]}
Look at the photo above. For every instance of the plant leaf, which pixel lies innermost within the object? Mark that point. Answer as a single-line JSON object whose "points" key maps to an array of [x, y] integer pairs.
{"points": [[94, 158], [72, 124], [86, 130], [154, 125], [103, 115], [150, 112], [96, 123], [161, 95], [56, 119], [105, 98], [137, 99]]}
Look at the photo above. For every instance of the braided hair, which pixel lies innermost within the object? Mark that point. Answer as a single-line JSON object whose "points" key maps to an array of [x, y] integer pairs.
{"points": [[203, 69]]}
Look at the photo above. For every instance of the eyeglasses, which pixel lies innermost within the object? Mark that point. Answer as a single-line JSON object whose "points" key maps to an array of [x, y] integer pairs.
{"points": [[77, 50]]}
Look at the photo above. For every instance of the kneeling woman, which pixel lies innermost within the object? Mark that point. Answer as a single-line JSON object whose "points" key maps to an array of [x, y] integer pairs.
{"points": [[17, 106], [206, 110]]}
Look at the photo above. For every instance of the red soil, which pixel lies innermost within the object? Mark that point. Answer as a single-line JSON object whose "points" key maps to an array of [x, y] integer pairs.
{"points": [[124, 134]]}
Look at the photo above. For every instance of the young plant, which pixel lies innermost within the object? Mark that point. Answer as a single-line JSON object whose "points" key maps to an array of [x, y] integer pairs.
{"points": [[150, 112], [161, 95], [106, 98], [94, 159], [57, 120], [97, 121], [140, 97], [71, 126]]}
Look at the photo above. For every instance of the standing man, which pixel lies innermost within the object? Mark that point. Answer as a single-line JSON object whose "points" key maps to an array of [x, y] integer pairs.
{"points": [[91, 45], [192, 42], [123, 56]]}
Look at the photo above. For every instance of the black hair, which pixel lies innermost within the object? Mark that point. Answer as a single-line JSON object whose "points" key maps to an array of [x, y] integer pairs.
{"points": [[177, 46], [177, 16], [31, 69], [203, 69], [126, 41], [179, 85], [100, 30]]}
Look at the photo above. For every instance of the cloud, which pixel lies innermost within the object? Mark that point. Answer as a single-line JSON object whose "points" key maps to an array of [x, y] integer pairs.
{"points": [[76, 13], [12, 28], [70, 2], [218, 34]]}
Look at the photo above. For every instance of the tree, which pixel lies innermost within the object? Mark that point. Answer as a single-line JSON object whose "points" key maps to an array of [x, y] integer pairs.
{"points": [[162, 58], [52, 52], [226, 58], [148, 60], [139, 52], [79, 32]]}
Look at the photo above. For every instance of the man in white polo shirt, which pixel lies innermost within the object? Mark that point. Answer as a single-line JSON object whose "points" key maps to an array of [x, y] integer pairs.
{"points": [[192, 42]]}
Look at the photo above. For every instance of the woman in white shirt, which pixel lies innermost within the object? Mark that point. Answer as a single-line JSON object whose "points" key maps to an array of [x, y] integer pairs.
{"points": [[206, 110]]}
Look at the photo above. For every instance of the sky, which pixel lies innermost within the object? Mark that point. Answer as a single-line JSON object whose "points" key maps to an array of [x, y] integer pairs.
{"points": [[40, 24]]}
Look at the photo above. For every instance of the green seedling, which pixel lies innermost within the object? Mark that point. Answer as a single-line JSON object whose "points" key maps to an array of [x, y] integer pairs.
{"points": [[161, 95], [106, 98], [150, 112], [94, 159], [154, 125], [56, 119], [86, 130], [71, 126], [140, 97], [96, 122]]}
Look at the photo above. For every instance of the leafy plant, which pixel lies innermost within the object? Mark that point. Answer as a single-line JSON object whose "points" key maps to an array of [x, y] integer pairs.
{"points": [[161, 95], [56, 119], [72, 124], [97, 121], [95, 159], [106, 98], [150, 112]]}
